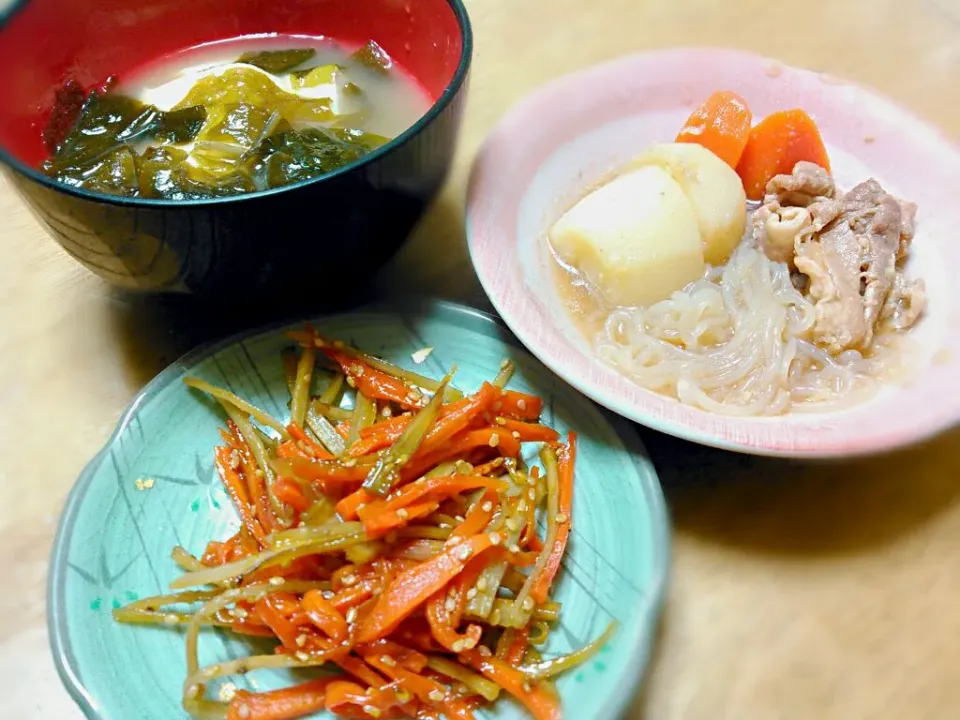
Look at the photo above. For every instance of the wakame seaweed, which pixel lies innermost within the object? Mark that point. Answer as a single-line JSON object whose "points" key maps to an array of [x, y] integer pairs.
{"points": [[235, 132], [277, 61]]}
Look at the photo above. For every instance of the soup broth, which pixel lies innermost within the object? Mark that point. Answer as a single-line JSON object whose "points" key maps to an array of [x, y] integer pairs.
{"points": [[235, 117]]}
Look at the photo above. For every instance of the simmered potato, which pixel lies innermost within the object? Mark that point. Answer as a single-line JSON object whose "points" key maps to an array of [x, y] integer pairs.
{"points": [[636, 239], [714, 190]]}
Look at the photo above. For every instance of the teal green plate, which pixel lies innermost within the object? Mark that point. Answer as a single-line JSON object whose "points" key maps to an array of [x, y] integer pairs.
{"points": [[115, 538]]}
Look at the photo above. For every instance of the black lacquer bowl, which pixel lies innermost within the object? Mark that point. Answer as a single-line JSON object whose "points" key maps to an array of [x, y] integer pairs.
{"points": [[325, 230]]}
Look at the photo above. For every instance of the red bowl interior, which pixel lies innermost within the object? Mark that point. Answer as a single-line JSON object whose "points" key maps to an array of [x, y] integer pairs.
{"points": [[45, 42]]}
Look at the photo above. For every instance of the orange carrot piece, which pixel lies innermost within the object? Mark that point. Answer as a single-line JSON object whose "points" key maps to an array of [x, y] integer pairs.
{"points": [[348, 507], [530, 538], [379, 525], [567, 457], [413, 587], [435, 487], [528, 432], [374, 384], [541, 704], [424, 689], [776, 145], [290, 493], [273, 617], [238, 492], [343, 429], [721, 124], [518, 405], [479, 516], [255, 481], [313, 449], [452, 419], [324, 615], [327, 471], [518, 646], [284, 704]]}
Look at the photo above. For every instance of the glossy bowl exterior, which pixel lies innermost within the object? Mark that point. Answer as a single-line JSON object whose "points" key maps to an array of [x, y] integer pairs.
{"points": [[359, 214]]}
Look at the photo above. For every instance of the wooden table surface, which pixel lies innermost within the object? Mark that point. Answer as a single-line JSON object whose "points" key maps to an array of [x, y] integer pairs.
{"points": [[799, 591]]}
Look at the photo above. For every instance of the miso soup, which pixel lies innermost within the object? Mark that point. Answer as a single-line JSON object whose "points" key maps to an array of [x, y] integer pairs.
{"points": [[231, 118]]}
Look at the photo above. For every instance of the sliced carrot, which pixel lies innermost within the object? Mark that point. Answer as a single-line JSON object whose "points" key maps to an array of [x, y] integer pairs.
{"points": [[378, 525], [721, 124], [425, 689], [348, 507], [328, 471], [435, 487], [312, 447], [412, 588], [541, 704], [452, 419], [374, 384], [528, 432], [342, 694], [776, 145], [343, 429], [285, 704], [518, 405], [565, 462], [479, 516], [238, 491], [290, 493], [324, 615], [518, 646]]}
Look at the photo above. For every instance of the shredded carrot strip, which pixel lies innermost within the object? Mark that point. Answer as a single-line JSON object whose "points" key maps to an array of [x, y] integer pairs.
{"points": [[566, 459]]}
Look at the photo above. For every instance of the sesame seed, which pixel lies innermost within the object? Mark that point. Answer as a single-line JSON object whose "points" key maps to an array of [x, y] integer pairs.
{"points": [[302, 656], [361, 506], [522, 506], [239, 613], [371, 711], [351, 615], [348, 580], [532, 495], [515, 434], [464, 552], [462, 689], [531, 481], [500, 421], [527, 604], [484, 651], [457, 646], [513, 547], [211, 671], [512, 524], [328, 594], [495, 538], [227, 692], [521, 404], [388, 661], [450, 605], [458, 518], [402, 513], [445, 526], [403, 697], [301, 640], [436, 695], [561, 518], [351, 382], [386, 412], [350, 462], [171, 619], [359, 371], [487, 506], [481, 584], [276, 580], [421, 355], [259, 473], [494, 440], [527, 687], [471, 593], [243, 712], [469, 643]]}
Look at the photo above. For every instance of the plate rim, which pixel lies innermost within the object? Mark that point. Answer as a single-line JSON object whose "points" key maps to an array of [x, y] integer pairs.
{"points": [[638, 412], [654, 595]]}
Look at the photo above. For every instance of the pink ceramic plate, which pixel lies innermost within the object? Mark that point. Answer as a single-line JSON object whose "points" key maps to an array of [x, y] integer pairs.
{"points": [[569, 134]]}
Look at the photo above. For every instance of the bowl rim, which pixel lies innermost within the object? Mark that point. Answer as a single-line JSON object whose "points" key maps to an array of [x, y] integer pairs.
{"points": [[649, 610], [534, 337], [451, 91]]}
